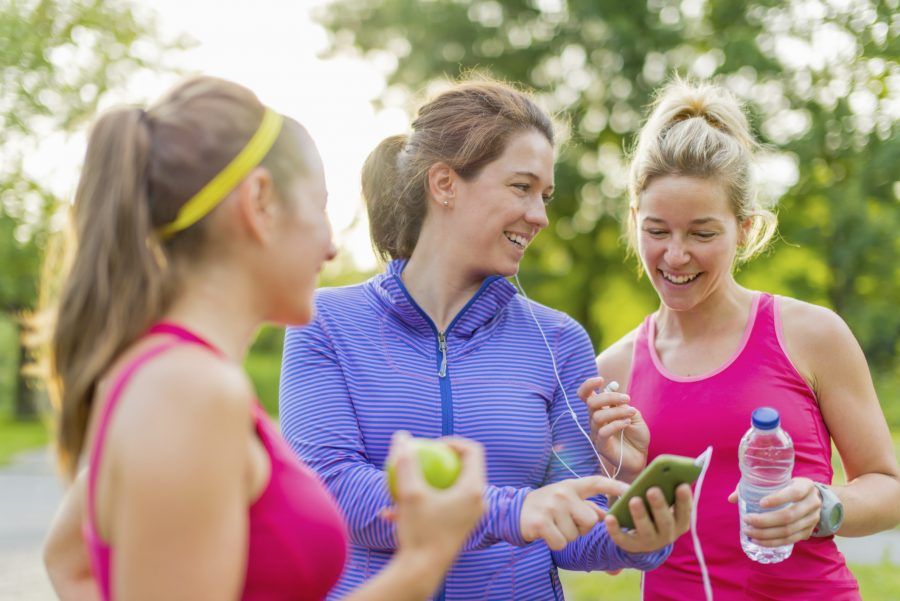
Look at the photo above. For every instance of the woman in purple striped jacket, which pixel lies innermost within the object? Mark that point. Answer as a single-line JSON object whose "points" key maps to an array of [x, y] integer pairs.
{"points": [[441, 344]]}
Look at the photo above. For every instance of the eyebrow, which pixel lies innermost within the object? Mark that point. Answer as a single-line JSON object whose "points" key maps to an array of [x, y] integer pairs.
{"points": [[532, 176], [701, 221]]}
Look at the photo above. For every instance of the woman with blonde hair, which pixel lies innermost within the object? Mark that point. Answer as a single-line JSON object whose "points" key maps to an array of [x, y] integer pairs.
{"points": [[195, 221], [694, 370]]}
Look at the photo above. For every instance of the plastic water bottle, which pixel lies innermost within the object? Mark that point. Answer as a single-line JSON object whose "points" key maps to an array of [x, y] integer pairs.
{"points": [[766, 455]]}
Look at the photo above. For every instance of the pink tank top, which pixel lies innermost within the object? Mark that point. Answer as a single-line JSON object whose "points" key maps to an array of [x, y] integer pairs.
{"points": [[686, 414], [297, 539]]}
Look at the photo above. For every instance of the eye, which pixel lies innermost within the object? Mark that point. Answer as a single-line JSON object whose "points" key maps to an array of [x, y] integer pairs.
{"points": [[548, 198], [522, 187], [655, 232], [705, 235]]}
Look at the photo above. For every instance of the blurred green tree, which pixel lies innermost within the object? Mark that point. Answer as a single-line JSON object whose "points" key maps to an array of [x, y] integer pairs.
{"points": [[57, 60], [820, 77]]}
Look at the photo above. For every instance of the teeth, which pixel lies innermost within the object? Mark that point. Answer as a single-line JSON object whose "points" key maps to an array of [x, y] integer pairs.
{"points": [[679, 279], [520, 241]]}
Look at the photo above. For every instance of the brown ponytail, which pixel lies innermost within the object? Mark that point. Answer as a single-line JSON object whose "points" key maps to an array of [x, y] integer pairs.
{"points": [[140, 167], [466, 127]]}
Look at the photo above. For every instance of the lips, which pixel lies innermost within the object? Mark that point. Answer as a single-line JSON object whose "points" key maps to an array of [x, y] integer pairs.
{"points": [[520, 240]]}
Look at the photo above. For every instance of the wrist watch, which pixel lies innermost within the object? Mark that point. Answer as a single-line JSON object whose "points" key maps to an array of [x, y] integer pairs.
{"points": [[831, 516]]}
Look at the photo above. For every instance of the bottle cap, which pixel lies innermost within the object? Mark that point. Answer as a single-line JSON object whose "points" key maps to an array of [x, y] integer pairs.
{"points": [[765, 418]]}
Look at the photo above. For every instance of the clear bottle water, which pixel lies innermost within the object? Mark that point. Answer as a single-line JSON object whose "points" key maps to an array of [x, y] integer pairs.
{"points": [[766, 456]]}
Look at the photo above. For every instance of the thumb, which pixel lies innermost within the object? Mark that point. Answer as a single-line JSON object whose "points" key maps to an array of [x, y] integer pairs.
{"points": [[732, 498], [595, 485], [406, 465]]}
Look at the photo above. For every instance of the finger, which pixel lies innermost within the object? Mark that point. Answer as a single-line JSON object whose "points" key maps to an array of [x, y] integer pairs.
{"points": [[387, 514], [642, 522], [566, 526], [609, 414], [619, 536], [471, 455], [796, 490], [589, 386], [663, 517], [732, 498], [607, 399], [684, 502], [613, 428], [585, 517], [406, 466], [779, 524], [553, 537], [777, 537], [595, 485]]}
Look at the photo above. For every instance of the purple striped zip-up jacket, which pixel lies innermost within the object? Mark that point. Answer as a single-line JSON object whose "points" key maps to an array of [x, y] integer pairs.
{"points": [[372, 362]]}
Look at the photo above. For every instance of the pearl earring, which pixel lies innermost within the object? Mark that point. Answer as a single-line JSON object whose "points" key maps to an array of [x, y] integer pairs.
{"points": [[446, 202]]}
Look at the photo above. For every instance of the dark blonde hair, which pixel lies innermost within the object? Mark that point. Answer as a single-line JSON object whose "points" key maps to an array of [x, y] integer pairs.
{"points": [[700, 130], [465, 127], [140, 167]]}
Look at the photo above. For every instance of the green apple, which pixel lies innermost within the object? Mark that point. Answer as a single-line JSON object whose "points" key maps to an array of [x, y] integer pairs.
{"points": [[439, 462]]}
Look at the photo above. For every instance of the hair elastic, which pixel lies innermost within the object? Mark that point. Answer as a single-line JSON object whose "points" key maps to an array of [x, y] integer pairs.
{"points": [[204, 201]]}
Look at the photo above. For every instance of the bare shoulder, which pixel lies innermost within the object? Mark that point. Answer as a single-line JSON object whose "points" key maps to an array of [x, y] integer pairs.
{"points": [[177, 402], [815, 338], [614, 363], [807, 326]]}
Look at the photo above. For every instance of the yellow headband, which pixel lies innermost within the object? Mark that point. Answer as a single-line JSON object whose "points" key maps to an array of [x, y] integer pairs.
{"points": [[218, 188]]}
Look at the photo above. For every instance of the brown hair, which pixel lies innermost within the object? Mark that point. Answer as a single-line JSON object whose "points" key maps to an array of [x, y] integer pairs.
{"points": [[140, 167], [700, 130], [466, 127]]}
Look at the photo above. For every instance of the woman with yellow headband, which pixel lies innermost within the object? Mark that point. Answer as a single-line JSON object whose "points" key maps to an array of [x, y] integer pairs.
{"points": [[195, 221]]}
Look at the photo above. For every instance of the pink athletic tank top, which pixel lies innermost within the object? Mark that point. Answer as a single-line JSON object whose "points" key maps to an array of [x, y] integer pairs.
{"points": [[686, 414], [297, 540]]}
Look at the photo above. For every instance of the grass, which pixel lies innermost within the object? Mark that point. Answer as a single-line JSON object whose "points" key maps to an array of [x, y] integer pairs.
{"points": [[876, 583]]}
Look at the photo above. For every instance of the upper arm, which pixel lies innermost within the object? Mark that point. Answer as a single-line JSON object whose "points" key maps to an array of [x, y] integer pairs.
{"points": [[179, 519], [614, 363], [826, 353]]}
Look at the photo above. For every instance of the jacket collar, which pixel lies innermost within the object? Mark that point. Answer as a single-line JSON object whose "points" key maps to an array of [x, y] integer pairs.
{"points": [[490, 299]]}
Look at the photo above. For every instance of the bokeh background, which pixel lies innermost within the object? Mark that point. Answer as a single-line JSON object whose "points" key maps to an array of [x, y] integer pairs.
{"points": [[821, 79]]}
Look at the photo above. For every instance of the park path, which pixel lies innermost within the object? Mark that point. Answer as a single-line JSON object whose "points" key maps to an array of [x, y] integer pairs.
{"points": [[30, 492]]}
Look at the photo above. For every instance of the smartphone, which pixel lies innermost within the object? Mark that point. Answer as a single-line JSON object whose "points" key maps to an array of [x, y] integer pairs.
{"points": [[666, 472]]}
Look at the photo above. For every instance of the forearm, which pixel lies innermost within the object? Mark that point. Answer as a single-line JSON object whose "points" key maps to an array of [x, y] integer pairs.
{"points": [[408, 577], [871, 504]]}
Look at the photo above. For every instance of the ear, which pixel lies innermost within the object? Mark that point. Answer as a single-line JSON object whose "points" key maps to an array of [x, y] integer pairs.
{"points": [[256, 204], [442, 184], [744, 227]]}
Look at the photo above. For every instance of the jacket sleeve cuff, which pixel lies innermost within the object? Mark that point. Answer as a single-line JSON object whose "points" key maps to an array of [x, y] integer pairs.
{"points": [[504, 514]]}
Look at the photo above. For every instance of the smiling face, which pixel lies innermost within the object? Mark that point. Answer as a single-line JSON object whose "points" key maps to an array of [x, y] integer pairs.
{"points": [[498, 213], [687, 236]]}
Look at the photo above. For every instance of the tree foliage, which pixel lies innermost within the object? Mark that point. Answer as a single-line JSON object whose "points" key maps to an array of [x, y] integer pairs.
{"points": [[820, 78], [57, 61]]}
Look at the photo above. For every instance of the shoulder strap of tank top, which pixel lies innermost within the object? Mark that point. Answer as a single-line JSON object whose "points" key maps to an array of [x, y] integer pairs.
{"points": [[182, 336], [112, 400]]}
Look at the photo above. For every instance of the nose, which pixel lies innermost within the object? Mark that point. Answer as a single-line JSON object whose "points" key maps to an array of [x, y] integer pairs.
{"points": [[676, 252], [332, 251], [537, 214]]}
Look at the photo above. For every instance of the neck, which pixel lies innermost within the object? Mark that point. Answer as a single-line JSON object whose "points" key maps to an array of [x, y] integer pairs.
{"points": [[215, 305], [439, 285], [722, 311]]}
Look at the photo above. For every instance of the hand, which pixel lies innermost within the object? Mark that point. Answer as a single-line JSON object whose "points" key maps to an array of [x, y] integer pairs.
{"points": [[433, 524], [559, 513], [787, 525], [610, 414], [648, 534]]}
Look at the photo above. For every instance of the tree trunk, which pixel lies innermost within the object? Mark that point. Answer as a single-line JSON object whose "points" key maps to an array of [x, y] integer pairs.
{"points": [[26, 405]]}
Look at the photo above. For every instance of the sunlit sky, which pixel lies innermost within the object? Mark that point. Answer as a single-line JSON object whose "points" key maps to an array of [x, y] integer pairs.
{"points": [[273, 47]]}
